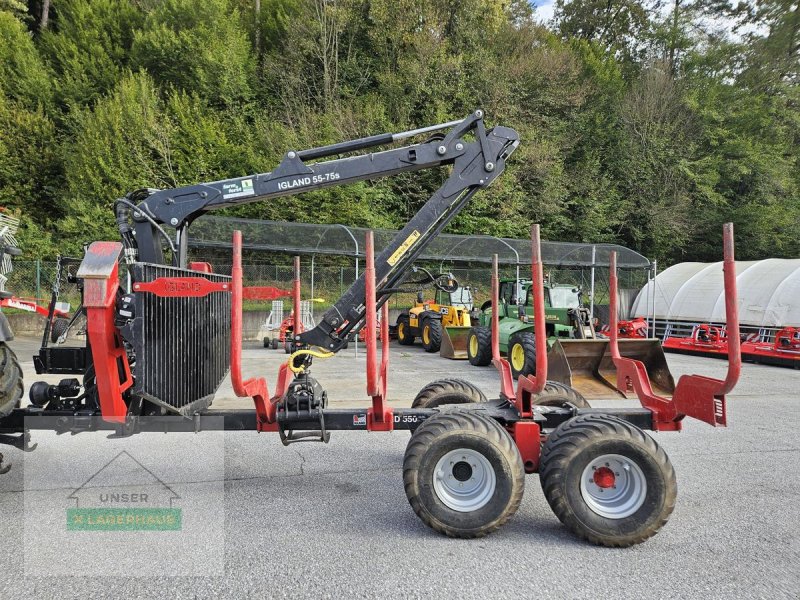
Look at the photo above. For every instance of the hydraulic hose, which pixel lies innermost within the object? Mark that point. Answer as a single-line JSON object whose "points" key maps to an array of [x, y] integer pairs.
{"points": [[314, 353]]}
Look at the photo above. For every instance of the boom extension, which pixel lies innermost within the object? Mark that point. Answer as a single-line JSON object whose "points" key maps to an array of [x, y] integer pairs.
{"points": [[476, 164]]}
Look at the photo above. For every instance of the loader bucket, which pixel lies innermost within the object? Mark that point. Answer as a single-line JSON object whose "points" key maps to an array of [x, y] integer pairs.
{"points": [[454, 343], [587, 366]]}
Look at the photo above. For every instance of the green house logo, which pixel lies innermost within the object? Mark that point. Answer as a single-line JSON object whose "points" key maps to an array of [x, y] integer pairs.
{"points": [[124, 495]]}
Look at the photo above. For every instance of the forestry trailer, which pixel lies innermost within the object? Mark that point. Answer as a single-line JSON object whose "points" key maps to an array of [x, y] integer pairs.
{"points": [[162, 344]]}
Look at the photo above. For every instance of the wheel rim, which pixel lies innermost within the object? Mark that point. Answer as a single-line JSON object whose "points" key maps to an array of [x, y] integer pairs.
{"points": [[401, 331], [613, 486], [426, 334], [464, 480], [517, 357], [473, 345]]}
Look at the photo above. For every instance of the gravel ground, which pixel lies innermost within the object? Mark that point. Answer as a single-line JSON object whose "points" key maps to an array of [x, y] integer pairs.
{"points": [[333, 521]]}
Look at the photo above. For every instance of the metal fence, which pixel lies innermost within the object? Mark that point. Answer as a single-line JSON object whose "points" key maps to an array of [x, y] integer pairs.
{"points": [[325, 284], [31, 279]]}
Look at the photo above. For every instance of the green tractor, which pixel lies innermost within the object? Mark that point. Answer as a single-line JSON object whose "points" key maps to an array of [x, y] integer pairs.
{"points": [[565, 316]]}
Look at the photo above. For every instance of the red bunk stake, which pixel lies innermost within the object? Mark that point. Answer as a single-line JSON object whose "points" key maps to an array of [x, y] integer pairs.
{"points": [[285, 375], [540, 331], [255, 388], [379, 417], [696, 396], [731, 312], [530, 385], [297, 324], [500, 363]]}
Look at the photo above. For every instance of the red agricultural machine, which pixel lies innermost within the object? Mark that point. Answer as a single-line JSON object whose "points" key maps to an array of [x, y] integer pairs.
{"points": [[713, 340], [161, 347], [632, 329]]}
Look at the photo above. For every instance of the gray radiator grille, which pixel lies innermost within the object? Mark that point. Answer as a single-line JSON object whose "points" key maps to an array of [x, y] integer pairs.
{"points": [[183, 344]]}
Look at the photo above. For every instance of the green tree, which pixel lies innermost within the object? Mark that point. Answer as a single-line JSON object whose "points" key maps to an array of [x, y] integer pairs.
{"points": [[651, 168], [23, 76], [774, 56], [200, 47], [89, 47], [618, 26], [30, 166]]}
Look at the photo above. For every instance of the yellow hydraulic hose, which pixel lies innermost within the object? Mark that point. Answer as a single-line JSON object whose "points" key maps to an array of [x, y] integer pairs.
{"points": [[314, 353]]}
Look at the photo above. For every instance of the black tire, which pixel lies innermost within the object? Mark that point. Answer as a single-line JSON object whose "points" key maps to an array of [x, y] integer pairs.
{"points": [[569, 452], [267, 342], [404, 337], [479, 346], [275, 343], [558, 394], [447, 391], [494, 452], [557, 385], [287, 347], [523, 342], [58, 327], [11, 386], [431, 335]]}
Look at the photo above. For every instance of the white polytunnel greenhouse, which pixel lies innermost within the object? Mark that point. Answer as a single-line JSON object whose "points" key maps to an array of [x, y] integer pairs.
{"points": [[688, 294]]}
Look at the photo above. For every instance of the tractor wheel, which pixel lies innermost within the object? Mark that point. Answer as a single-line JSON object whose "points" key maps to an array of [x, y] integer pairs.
{"points": [[447, 391], [463, 474], [431, 335], [479, 346], [287, 347], [522, 354], [11, 388], [558, 394], [58, 328], [275, 343], [557, 385], [267, 342], [607, 480], [404, 337]]}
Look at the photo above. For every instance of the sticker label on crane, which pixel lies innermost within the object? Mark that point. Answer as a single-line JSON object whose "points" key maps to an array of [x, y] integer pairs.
{"points": [[308, 180], [237, 189], [404, 247]]}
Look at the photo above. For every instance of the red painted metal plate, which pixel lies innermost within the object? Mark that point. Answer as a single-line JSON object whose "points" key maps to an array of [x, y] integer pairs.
{"points": [[264, 293], [181, 287]]}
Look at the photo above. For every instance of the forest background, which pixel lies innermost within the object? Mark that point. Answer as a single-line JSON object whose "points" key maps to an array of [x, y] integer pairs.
{"points": [[643, 122]]}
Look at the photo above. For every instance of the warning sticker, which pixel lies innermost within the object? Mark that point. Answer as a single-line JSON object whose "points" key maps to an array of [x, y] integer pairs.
{"points": [[237, 189], [404, 247], [360, 420]]}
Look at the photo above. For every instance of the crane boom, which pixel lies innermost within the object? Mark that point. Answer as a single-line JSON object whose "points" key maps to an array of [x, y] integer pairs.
{"points": [[476, 162]]}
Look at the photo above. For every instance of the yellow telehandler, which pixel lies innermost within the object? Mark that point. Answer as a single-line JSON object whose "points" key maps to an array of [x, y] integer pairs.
{"points": [[429, 320]]}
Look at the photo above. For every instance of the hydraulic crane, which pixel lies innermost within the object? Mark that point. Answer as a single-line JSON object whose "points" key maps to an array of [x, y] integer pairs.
{"points": [[475, 165], [172, 316]]}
